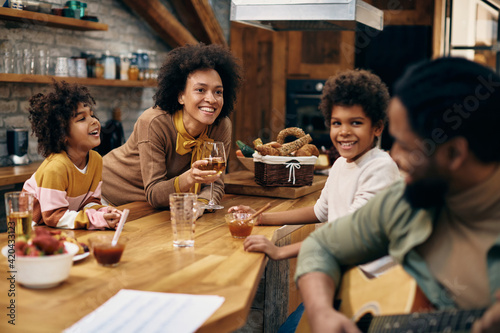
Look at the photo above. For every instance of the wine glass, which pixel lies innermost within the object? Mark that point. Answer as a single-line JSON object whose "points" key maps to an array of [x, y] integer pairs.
{"points": [[214, 153]]}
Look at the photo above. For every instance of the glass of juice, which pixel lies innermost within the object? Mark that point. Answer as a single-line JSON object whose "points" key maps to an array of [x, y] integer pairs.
{"points": [[106, 253], [240, 224], [19, 212], [215, 155]]}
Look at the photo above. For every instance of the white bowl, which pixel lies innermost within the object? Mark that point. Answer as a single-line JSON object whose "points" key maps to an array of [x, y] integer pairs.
{"points": [[43, 272], [247, 163]]}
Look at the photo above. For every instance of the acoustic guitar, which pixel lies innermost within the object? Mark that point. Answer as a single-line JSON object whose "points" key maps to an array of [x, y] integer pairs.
{"points": [[393, 302]]}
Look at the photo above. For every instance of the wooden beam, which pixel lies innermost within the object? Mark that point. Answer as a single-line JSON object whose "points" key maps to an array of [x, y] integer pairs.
{"points": [[162, 21], [438, 29], [200, 18]]}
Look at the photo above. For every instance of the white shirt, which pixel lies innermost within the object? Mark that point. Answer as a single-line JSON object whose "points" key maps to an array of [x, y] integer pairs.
{"points": [[350, 185]]}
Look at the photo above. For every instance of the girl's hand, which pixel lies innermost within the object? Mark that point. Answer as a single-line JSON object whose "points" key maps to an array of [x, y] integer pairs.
{"points": [[259, 243], [200, 176], [112, 217], [241, 209]]}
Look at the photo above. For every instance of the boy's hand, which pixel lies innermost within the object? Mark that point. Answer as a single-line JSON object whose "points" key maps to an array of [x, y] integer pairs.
{"points": [[241, 209], [259, 243], [112, 217]]}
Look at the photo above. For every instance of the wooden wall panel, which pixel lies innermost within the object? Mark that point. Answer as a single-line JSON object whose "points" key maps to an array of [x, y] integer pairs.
{"points": [[278, 88], [406, 12], [438, 29], [331, 54], [254, 116]]}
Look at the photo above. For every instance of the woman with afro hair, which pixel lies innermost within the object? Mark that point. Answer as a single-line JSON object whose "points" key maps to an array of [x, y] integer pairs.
{"points": [[196, 94]]}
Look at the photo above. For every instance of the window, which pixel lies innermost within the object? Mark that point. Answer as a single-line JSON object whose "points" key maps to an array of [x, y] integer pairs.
{"points": [[471, 31]]}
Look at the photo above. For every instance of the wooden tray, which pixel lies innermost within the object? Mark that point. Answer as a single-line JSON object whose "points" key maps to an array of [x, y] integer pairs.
{"points": [[242, 182]]}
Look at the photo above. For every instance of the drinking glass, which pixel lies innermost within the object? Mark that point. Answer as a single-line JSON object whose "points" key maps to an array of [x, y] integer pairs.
{"points": [[19, 211], [214, 153], [183, 212]]}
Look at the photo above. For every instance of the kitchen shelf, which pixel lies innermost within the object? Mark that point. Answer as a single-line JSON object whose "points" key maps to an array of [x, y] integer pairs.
{"points": [[42, 19], [27, 78]]}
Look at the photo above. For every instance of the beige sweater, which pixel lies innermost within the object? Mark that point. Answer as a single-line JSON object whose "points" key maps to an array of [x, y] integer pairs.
{"points": [[457, 252], [145, 167]]}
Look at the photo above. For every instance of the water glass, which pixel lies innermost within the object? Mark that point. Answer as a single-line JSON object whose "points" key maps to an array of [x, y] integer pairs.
{"points": [[7, 64], [28, 61], [19, 212], [42, 62], [18, 62], [183, 213]]}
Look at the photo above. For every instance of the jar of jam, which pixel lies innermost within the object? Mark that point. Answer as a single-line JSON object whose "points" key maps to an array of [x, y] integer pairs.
{"points": [[133, 72]]}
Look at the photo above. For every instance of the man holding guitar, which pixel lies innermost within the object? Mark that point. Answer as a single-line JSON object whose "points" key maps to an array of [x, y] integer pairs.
{"points": [[442, 223]]}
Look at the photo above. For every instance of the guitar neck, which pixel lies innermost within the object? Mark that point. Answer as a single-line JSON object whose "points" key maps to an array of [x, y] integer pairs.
{"points": [[428, 322]]}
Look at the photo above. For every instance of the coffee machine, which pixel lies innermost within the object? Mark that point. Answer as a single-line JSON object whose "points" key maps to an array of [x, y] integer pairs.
{"points": [[17, 146]]}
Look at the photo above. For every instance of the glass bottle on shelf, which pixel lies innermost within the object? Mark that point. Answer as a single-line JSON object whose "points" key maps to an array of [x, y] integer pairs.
{"points": [[124, 66], [153, 66], [99, 68], [109, 66]]}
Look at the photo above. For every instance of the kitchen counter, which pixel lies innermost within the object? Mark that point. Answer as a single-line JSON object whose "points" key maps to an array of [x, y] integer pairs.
{"points": [[17, 174], [216, 265]]}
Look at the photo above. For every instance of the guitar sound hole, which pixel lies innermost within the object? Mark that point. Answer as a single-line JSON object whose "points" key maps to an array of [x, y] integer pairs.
{"points": [[364, 322]]}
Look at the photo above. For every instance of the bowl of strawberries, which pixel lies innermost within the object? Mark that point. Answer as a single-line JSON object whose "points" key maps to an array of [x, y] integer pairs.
{"points": [[41, 261]]}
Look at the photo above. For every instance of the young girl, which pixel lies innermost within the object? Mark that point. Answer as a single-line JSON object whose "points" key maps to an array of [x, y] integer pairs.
{"points": [[67, 186], [354, 105]]}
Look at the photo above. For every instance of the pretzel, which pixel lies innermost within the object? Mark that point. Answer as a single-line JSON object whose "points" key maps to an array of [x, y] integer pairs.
{"points": [[295, 131], [287, 148]]}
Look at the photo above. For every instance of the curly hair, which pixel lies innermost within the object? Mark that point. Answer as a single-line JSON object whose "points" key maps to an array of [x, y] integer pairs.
{"points": [[183, 61], [456, 97], [50, 115], [356, 87]]}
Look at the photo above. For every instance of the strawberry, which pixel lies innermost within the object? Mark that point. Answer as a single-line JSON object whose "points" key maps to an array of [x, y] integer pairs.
{"points": [[46, 243]]}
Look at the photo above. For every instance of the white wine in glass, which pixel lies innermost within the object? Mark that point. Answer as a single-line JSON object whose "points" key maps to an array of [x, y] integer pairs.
{"points": [[214, 153]]}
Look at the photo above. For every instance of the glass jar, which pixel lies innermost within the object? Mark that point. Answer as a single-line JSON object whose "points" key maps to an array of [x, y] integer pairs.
{"points": [[133, 72], [109, 66], [99, 68]]}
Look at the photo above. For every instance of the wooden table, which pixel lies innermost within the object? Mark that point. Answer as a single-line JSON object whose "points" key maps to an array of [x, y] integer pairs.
{"points": [[216, 265], [17, 174]]}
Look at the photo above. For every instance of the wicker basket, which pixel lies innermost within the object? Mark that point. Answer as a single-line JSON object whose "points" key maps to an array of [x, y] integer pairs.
{"points": [[284, 170]]}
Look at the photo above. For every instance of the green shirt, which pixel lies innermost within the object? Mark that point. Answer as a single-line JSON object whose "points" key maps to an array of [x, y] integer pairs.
{"points": [[387, 224]]}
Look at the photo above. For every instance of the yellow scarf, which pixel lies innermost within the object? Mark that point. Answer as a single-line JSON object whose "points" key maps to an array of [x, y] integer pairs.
{"points": [[186, 144]]}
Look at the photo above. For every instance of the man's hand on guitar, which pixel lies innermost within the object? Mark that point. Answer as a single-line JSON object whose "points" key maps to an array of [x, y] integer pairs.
{"points": [[330, 320], [490, 321]]}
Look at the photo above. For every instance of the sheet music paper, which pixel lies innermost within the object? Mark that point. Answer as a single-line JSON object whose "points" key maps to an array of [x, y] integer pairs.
{"points": [[146, 311]]}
